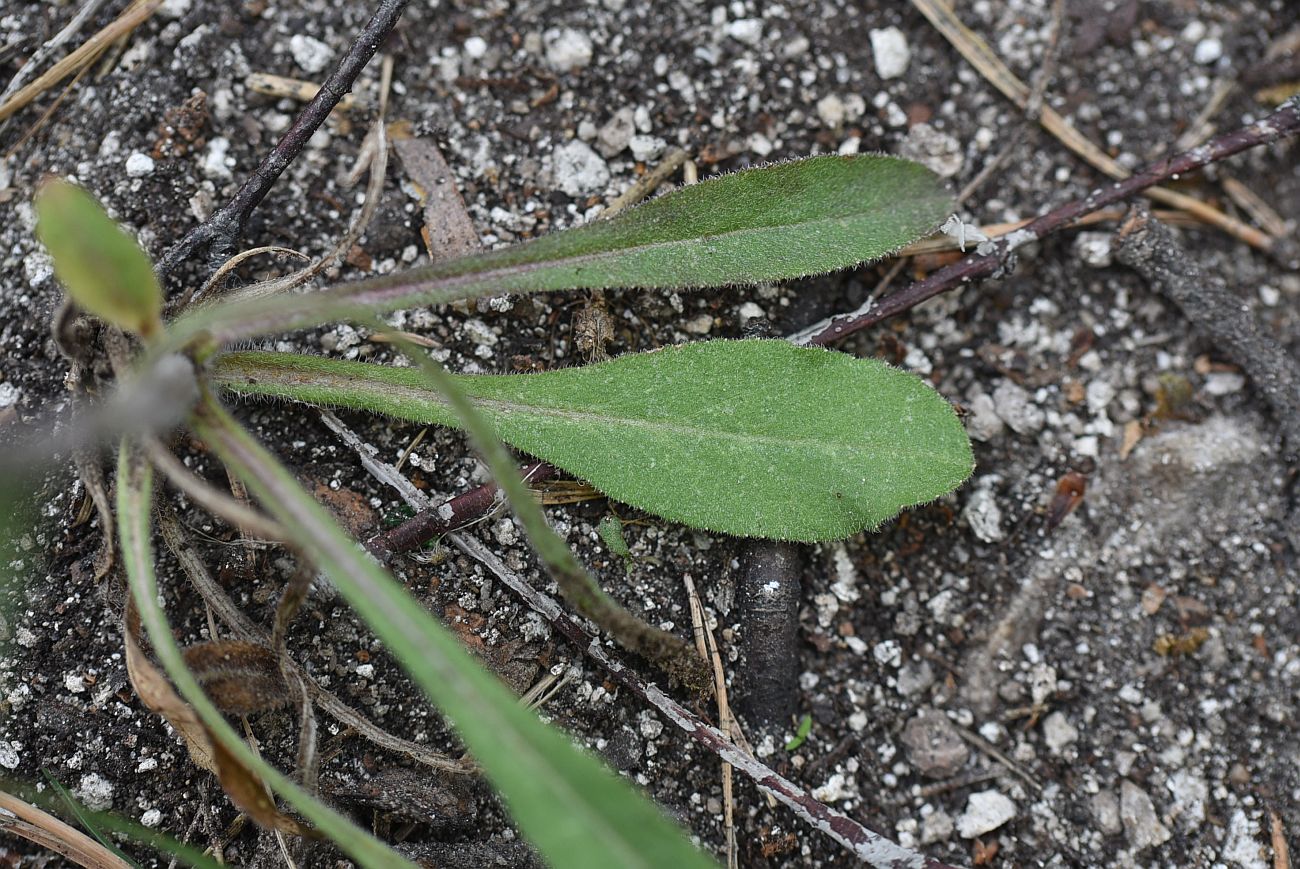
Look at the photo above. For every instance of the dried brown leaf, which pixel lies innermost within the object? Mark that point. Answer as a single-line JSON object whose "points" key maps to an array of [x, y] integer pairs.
{"points": [[241, 678], [245, 788]]}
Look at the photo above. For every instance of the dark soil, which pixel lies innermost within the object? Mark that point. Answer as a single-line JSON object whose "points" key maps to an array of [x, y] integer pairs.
{"points": [[1139, 661]]}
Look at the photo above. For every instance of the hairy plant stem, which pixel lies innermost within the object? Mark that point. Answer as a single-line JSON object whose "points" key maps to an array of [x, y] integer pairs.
{"points": [[992, 257], [220, 231]]}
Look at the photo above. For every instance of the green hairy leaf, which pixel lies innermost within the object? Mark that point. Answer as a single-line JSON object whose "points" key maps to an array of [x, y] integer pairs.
{"points": [[755, 438], [101, 266], [782, 221]]}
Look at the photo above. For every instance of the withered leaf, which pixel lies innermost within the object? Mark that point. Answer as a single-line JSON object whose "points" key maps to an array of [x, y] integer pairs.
{"points": [[244, 787], [241, 678]]}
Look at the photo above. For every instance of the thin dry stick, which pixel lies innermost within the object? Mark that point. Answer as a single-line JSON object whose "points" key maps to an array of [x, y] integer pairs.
{"points": [[978, 53], [84, 14], [873, 848], [131, 18], [36, 825], [1277, 837], [378, 168], [210, 498], [226, 223], [708, 649], [244, 629], [991, 256]]}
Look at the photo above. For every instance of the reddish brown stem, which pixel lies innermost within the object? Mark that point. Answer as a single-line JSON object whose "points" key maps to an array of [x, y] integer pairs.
{"points": [[991, 256], [454, 513]]}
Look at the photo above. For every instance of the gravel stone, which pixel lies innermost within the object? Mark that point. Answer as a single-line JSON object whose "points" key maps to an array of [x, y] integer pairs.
{"points": [[1141, 822], [310, 53], [1058, 732], [985, 812], [567, 49], [616, 134], [939, 152], [890, 50], [933, 745], [1014, 406], [578, 170]]}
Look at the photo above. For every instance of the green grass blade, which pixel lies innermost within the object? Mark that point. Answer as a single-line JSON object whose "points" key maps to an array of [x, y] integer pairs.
{"points": [[755, 438], [783, 221], [566, 802], [134, 497]]}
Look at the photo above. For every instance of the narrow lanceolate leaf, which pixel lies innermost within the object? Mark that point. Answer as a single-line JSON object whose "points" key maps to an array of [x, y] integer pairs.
{"points": [[99, 264], [567, 803], [783, 221], [756, 438]]}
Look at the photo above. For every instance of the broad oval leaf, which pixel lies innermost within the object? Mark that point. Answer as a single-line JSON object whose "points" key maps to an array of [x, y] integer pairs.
{"points": [[100, 265], [781, 221], [757, 438]]}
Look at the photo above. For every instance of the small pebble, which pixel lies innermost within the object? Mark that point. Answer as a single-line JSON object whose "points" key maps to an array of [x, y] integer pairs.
{"points": [[891, 53], [1058, 732], [1093, 248], [1208, 51], [937, 151], [139, 165], [985, 812], [646, 148], [1016, 409], [1105, 809], [310, 53], [746, 30], [95, 792], [578, 170], [567, 49], [1138, 814], [617, 133], [933, 745]]}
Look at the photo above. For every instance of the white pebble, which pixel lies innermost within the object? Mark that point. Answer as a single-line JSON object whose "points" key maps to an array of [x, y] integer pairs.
{"points": [[985, 812], [95, 791], [476, 47], [646, 147], [890, 50], [746, 30], [567, 49], [151, 818], [578, 170], [139, 165], [8, 394], [831, 110], [1208, 51], [310, 53]]}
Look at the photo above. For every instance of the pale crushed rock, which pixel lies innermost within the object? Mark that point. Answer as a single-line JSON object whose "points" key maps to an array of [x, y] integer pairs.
{"points": [[891, 53], [933, 745], [567, 49], [95, 792], [983, 422], [937, 151], [1244, 847], [1058, 732], [310, 53], [616, 133], [1017, 409], [982, 513], [578, 170], [1105, 809], [1138, 814], [985, 812]]}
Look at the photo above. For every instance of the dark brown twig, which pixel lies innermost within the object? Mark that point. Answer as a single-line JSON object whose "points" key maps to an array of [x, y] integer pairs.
{"points": [[457, 512], [220, 231], [991, 257]]}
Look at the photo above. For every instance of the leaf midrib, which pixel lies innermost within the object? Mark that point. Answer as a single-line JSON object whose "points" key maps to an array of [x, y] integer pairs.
{"points": [[401, 392]]}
